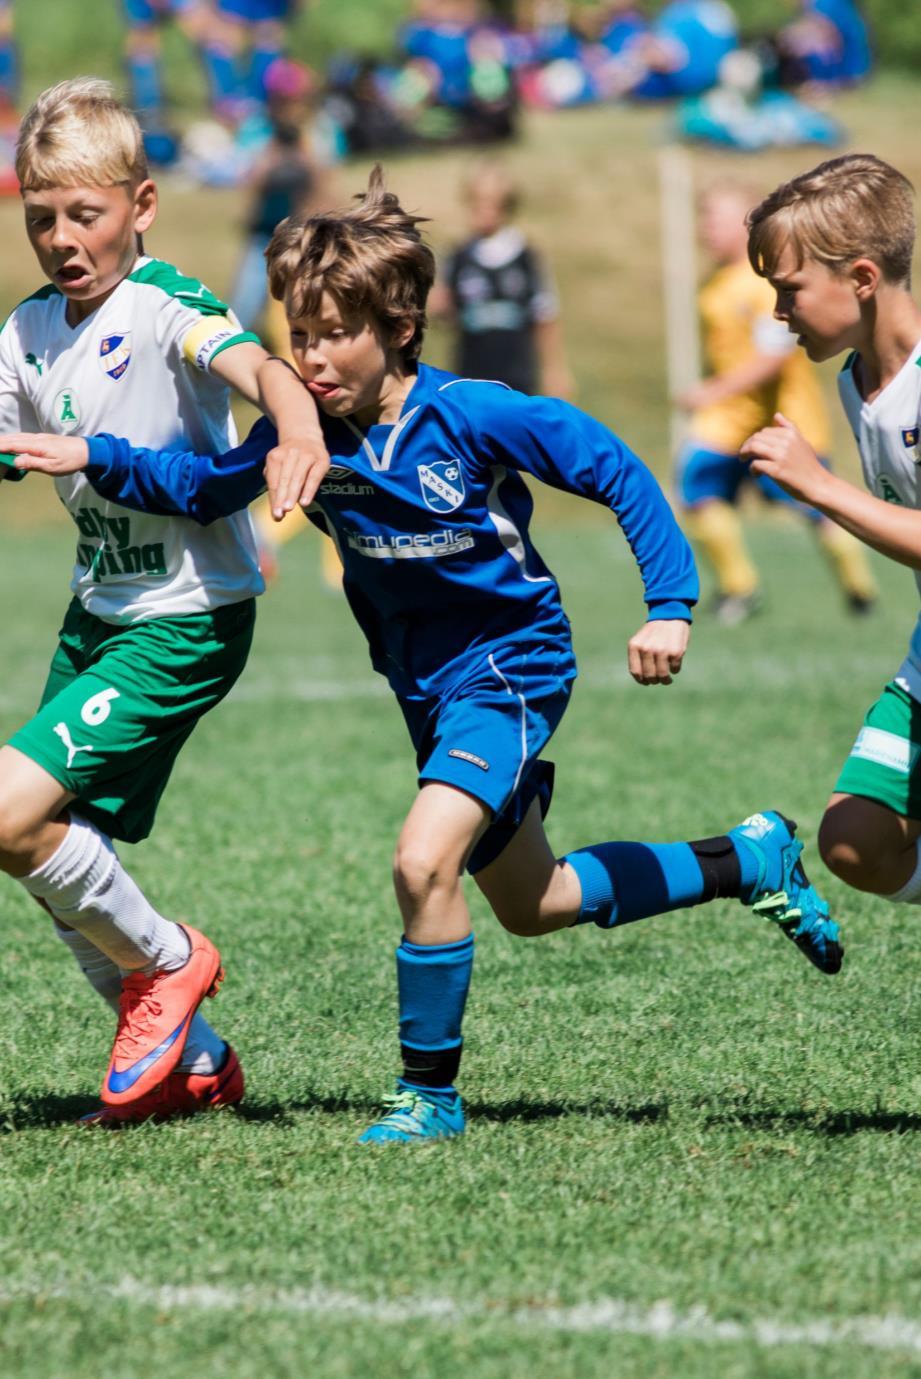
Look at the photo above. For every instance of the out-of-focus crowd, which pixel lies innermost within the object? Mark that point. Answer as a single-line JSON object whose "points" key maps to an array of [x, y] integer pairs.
{"points": [[459, 69]]}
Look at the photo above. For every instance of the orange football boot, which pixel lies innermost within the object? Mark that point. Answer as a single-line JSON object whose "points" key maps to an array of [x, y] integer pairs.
{"points": [[181, 1094], [154, 1014]]}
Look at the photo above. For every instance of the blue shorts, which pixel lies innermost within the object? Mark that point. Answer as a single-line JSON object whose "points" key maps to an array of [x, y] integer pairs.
{"points": [[149, 11], [255, 11], [485, 736], [707, 474]]}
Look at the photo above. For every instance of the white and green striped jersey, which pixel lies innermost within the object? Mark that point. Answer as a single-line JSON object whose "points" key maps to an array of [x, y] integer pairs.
{"points": [[888, 435], [139, 366]]}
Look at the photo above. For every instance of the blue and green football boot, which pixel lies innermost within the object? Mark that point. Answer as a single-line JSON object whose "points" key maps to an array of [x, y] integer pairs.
{"points": [[412, 1117], [782, 892]]}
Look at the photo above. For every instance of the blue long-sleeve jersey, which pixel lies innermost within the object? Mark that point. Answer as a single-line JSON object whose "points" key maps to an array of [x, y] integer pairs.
{"points": [[431, 518]]}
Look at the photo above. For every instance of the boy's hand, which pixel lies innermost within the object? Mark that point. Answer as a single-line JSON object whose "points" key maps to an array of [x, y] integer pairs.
{"points": [[781, 452], [656, 652], [294, 471], [47, 454]]}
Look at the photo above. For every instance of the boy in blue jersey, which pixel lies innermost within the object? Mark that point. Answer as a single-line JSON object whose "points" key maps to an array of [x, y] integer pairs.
{"points": [[427, 505]]}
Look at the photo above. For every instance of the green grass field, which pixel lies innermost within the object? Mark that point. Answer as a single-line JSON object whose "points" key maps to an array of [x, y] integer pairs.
{"points": [[689, 1153], [685, 1111]]}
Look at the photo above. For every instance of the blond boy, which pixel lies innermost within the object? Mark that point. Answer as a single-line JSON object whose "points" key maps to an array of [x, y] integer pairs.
{"points": [[836, 245], [162, 616]]}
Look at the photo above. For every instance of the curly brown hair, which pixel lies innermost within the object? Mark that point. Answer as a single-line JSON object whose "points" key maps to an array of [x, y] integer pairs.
{"points": [[371, 258]]}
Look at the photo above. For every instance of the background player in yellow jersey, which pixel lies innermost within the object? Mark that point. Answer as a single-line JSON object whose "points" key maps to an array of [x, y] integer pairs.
{"points": [[755, 370]]}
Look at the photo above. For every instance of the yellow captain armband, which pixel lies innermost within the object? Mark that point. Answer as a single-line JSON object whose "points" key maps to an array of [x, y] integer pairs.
{"points": [[205, 340]]}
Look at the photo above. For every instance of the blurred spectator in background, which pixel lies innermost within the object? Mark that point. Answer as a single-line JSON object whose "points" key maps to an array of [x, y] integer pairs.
{"points": [[459, 63], [245, 37], [829, 44], [615, 51], [755, 370], [9, 93], [620, 24], [360, 103], [286, 178], [9, 65], [144, 19], [683, 50], [439, 35], [451, 83], [498, 293]]}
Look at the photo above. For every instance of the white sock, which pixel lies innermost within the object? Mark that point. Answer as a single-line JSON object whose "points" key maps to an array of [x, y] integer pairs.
{"points": [[205, 1050], [86, 887], [910, 894], [100, 971]]}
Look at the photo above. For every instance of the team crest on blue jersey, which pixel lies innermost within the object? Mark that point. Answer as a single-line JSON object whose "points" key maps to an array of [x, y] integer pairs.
{"points": [[442, 485], [115, 354]]}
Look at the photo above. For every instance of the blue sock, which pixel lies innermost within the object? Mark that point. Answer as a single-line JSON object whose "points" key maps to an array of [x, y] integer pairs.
{"points": [[623, 882], [221, 71], [433, 980], [144, 75]]}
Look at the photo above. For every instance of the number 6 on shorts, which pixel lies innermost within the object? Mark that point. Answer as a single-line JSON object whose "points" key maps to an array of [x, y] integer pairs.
{"points": [[97, 709]]}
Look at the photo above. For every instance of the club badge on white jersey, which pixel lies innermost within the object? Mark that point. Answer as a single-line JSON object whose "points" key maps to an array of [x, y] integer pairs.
{"points": [[115, 354]]}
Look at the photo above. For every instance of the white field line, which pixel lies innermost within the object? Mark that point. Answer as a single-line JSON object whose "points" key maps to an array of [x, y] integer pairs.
{"points": [[608, 1316]]}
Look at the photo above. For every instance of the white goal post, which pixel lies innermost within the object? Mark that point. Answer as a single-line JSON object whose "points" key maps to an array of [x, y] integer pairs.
{"points": [[679, 278]]}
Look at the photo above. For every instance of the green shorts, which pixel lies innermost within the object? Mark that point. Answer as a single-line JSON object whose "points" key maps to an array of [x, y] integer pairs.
{"points": [[885, 761], [120, 702]]}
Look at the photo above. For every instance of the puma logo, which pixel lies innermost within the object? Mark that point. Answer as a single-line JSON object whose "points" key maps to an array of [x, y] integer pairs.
{"points": [[63, 733]]}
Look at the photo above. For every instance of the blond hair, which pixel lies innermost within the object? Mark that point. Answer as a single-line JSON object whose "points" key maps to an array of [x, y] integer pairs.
{"points": [[849, 208], [78, 134], [371, 258]]}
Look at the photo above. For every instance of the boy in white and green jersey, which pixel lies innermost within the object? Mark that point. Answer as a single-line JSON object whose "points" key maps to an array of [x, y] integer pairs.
{"points": [[162, 616], [836, 244]]}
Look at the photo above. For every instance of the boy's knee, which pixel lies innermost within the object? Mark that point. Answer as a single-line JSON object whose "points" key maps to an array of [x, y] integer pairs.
{"points": [[846, 854], [22, 821], [418, 869], [17, 832]]}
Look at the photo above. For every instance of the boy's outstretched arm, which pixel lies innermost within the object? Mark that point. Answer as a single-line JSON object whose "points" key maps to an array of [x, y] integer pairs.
{"points": [[295, 467], [782, 452], [165, 482], [566, 448]]}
